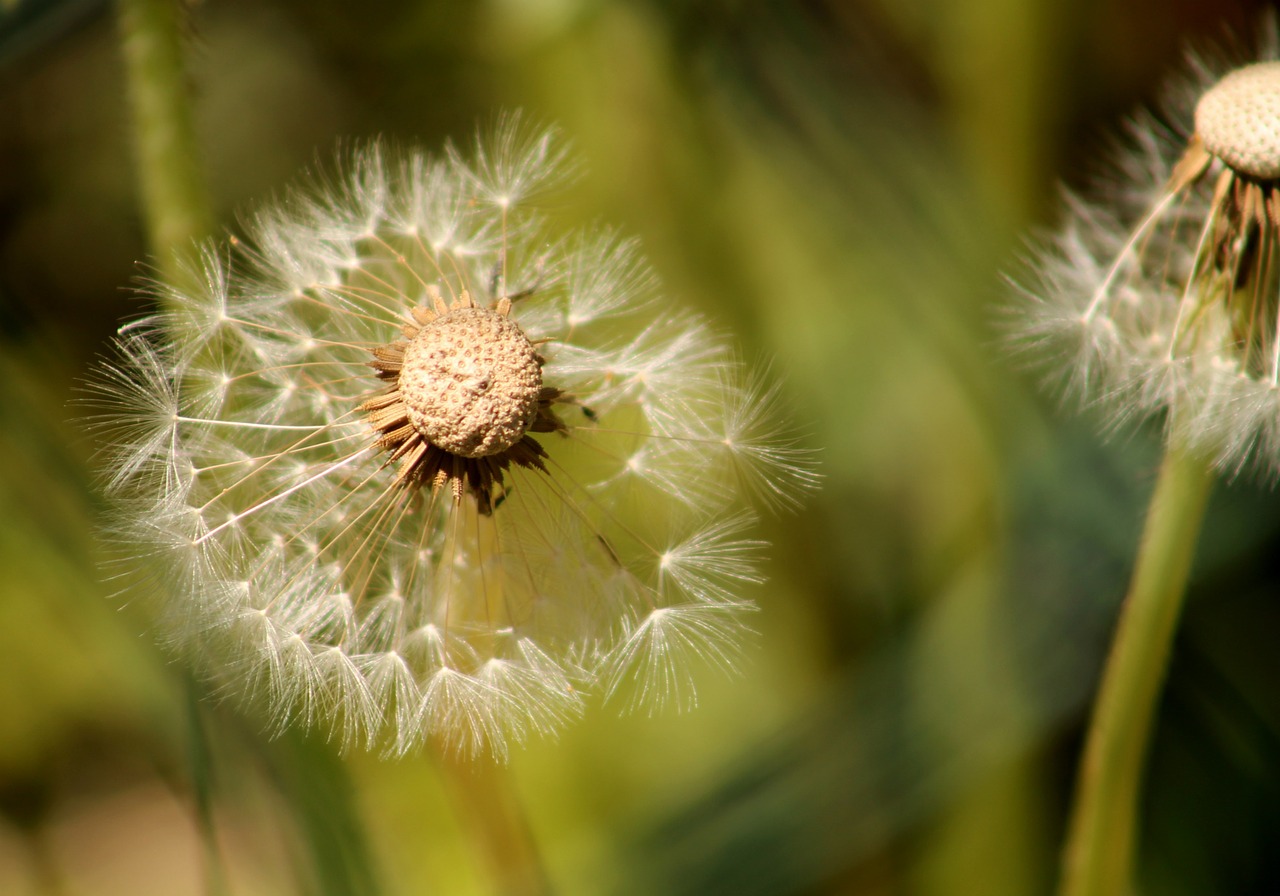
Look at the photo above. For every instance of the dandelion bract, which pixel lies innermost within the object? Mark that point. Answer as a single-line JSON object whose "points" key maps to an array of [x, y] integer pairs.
{"points": [[410, 464]]}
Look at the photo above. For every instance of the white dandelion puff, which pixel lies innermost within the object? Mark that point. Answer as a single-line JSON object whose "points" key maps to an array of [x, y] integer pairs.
{"points": [[660, 650], [1164, 298], [139, 406], [515, 163], [714, 562], [407, 466]]}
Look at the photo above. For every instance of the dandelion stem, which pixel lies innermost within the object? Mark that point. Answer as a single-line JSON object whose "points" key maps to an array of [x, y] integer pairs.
{"points": [[1102, 832], [176, 209], [176, 204], [201, 764], [488, 806]]}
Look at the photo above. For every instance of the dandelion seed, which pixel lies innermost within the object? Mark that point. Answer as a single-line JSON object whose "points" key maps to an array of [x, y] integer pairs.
{"points": [[408, 468], [1166, 300]]}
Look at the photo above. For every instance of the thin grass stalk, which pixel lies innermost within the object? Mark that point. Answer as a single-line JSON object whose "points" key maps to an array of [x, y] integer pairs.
{"points": [[495, 824], [176, 207], [177, 214]]}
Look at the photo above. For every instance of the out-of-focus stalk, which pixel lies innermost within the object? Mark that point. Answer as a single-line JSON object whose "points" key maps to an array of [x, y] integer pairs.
{"points": [[175, 198], [176, 212], [495, 823]]}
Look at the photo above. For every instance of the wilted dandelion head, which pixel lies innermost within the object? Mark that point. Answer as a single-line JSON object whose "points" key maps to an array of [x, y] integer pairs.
{"points": [[411, 467], [1162, 296]]}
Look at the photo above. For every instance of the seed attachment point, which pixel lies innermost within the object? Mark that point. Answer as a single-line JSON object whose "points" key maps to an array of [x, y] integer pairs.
{"points": [[470, 382]]}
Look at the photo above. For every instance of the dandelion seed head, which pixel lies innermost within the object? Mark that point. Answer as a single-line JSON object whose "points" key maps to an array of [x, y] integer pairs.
{"points": [[1162, 298], [409, 465]]}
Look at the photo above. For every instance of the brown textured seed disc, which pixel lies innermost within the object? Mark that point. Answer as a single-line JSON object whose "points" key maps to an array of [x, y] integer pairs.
{"points": [[1239, 120], [471, 381]]}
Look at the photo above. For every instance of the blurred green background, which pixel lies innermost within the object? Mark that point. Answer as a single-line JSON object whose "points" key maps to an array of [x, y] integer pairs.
{"points": [[842, 184]]}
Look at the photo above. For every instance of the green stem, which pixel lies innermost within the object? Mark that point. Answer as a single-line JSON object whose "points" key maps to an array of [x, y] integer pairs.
{"points": [[201, 765], [176, 206], [177, 214], [487, 804], [1101, 834]]}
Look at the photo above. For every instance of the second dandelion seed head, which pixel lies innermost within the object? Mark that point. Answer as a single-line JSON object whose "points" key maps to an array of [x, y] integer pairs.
{"points": [[1162, 295], [1239, 120]]}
